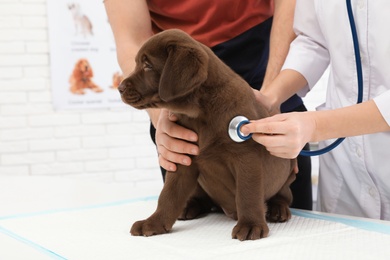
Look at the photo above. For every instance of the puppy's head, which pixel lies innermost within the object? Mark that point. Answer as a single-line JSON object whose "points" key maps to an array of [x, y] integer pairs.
{"points": [[169, 66]]}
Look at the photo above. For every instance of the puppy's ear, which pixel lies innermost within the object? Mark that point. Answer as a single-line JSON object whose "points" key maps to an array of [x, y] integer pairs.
{"points": [[185, 69]]}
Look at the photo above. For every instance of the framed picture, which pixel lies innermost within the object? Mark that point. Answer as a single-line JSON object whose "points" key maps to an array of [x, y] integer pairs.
{"points": [[84, 68]]}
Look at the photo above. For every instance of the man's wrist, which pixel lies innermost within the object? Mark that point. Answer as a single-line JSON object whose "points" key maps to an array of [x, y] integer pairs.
{"points": [[271, 100], [154, 114]]}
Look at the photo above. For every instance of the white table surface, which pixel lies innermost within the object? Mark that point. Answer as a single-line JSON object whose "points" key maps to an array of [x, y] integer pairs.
{"points": [[62, 218]]}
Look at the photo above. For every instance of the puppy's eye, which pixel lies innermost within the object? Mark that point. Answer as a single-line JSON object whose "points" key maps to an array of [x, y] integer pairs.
{"points": [[147, 66]]}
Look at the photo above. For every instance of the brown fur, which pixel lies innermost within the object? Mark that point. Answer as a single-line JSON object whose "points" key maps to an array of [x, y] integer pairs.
{"points": [[81, 78], [174, 71]]}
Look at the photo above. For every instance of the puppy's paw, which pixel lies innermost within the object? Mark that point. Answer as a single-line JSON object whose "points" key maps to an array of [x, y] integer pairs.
{"points": [[250, 231], [195, 208], [190, 213], [148, 228], [278, 211]]}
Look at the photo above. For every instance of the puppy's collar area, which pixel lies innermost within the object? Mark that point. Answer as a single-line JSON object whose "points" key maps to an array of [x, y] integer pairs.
{"points": [[234, 129]]}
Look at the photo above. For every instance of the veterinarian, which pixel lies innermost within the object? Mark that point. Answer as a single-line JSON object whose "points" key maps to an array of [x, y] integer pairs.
{"points": [[355, 176], [239, 32]]}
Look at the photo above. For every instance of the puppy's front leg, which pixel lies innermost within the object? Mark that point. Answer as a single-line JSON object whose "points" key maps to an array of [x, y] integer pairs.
{"points": [[177, 189], [250, 203]]}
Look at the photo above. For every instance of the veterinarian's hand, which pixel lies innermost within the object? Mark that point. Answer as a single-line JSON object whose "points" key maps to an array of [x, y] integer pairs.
{"points": [[283, 135], [174, 142]]}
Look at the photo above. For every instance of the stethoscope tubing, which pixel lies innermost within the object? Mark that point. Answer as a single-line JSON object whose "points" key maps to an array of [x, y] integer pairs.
{"points": [[359, 78]]}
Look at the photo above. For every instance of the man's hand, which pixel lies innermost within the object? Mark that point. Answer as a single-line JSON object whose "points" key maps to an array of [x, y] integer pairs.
{"points": [[174, 142]]}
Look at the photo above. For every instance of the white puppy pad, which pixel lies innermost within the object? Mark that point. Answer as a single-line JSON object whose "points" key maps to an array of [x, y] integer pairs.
{"points": [[102, 232]]}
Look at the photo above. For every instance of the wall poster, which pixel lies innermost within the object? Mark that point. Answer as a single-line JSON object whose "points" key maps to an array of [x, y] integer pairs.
{"points": [[84, 68]]}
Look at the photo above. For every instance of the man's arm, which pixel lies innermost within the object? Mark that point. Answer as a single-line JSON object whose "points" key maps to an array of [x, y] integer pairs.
{"points": [[282, 35], [131, 25], [130, 22]]}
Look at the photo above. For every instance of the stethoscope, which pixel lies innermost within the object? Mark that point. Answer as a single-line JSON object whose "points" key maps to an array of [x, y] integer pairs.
{"points": [[238, 121]]}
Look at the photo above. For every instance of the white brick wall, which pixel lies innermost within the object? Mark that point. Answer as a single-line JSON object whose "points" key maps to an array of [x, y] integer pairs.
{"points": [[100, 144]]}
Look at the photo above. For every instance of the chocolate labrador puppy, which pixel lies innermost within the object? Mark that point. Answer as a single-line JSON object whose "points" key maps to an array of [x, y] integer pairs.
{"points": [[175, 72]]}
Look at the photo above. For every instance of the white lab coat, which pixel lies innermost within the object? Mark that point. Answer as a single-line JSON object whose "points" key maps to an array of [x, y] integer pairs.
{"points": [[355, 176]]}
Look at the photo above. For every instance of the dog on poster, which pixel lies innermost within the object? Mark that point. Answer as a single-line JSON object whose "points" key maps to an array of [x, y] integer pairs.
{"points": [[117, 78], [83, 25], [81, 78]]}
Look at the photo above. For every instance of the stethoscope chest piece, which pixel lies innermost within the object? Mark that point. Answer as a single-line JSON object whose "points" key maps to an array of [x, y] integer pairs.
{"points": [[234, 129]]}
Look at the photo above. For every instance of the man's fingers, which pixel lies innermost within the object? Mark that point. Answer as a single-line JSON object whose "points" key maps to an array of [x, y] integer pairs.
{"points": [[167, 165], [174, 151], [174, 142], [296, 169], [168, 159], [177, 145], [172, 117], [176, 131], [174, 157]]}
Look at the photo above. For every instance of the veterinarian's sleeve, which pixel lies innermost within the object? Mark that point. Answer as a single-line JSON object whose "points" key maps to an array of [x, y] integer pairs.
{"points": [[308, 53], [383, 103]]}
